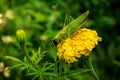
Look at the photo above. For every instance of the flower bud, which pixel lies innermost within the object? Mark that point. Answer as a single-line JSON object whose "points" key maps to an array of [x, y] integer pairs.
{"points": [[1, 66], [6, 72], [20, 34], [7, 39]]}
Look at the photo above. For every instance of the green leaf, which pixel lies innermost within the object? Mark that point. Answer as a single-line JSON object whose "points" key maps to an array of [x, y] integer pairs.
{"points": [[12, 58], [49, 74], [37, 56], [22, 69], [116, 62], [32, 73], [39, 50], [46, 66], [17, 65], [76, 72], [37, 75]]}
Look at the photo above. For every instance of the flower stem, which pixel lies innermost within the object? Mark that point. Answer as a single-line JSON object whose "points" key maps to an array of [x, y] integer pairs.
{"points": [[65, 71], [24, 51], [56, 70], [60, 68], [92, 69]]}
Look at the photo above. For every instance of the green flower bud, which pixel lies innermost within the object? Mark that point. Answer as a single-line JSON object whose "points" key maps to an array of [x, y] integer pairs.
{"points": [[20, 34]]}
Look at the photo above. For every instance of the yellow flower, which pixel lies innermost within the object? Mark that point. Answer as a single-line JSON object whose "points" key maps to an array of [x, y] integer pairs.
{"points": [[79, 43]]}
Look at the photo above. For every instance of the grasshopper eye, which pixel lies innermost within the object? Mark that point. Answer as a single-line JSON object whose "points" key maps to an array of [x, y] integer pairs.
{"points": [[55, 43]]}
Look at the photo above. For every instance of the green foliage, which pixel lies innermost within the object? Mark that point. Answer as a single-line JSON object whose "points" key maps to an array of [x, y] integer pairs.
{"points": [[116, 62], [37, 56], [42, 20], [33, 66]]}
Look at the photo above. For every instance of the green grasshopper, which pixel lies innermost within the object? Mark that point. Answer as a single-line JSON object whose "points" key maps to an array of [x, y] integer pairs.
{"points": [[71, 27]]}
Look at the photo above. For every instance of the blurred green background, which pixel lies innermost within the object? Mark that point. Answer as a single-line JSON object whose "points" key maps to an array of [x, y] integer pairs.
{"points": [[42, 19]]}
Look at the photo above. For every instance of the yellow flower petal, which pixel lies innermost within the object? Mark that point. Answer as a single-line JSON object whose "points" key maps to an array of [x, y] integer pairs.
{"points": [[79, 43]]}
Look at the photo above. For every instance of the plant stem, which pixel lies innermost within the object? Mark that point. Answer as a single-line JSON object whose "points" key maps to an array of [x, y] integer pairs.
{"points": [[24, 51], [60, 69], [92, 69], [56, 69], [65, 70]]}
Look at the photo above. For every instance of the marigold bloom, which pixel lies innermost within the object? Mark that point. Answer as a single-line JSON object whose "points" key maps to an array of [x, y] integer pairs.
{"points": [[79, 43]]}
